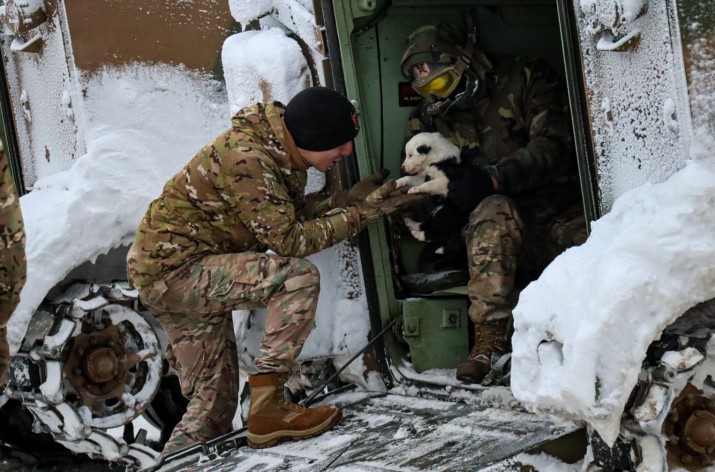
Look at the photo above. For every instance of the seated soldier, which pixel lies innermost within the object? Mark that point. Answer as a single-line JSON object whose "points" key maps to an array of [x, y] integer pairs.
{"points": [[511, 116]]}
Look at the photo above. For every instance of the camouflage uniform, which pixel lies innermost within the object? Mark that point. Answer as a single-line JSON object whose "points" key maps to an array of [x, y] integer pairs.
{"points": [[12, 246], [200, 253], [517, 128]]}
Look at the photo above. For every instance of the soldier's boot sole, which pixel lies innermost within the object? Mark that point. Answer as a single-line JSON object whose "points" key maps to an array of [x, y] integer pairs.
{"points": [[260, 441]]}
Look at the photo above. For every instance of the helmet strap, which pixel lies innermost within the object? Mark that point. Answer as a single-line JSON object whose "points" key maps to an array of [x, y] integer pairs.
{"points": [[465, 57]]}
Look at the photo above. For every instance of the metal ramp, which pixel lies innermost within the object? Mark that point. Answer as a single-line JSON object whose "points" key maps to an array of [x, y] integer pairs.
{"points": [[393, 433]]}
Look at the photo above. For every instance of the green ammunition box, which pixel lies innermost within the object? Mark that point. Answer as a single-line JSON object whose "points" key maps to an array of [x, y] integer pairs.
{"points": [[436, 329]]}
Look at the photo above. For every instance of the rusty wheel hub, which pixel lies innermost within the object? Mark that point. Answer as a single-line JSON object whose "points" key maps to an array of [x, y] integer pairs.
{"points": [[113, 368], [99, 367], [690, 429]]}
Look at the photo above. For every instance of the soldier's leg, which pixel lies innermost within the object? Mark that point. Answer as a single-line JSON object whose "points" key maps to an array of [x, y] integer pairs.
{"points": [[290, 316], [494, 237], [568, 228], [203, 354], [554, 222], [288, 288], [194, 305]]}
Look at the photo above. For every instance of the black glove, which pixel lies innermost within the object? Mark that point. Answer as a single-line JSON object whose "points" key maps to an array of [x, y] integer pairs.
{"points": [[467, 191]]}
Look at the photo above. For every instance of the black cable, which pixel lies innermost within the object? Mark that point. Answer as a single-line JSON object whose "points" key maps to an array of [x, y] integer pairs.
{"points": [[308, 400]]}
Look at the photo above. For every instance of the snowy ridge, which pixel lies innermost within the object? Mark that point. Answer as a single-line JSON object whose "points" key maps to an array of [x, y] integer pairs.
{"points": [[583, 328], [270, 61], [144, 124]]}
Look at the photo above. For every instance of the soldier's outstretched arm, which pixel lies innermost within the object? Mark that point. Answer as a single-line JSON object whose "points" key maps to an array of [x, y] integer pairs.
{"points": [[252, 187], [319, 204]]}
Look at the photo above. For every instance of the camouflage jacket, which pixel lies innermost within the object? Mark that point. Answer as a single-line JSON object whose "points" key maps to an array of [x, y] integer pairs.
{"points": [[243, 192], [516, 125], [13, 269]]}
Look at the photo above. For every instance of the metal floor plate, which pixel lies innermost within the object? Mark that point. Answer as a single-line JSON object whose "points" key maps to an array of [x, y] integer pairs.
{"points": [[399, 433]]}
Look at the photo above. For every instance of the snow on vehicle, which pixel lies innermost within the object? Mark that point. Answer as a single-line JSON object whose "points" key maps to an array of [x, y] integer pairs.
{"points": [[89, 85]]}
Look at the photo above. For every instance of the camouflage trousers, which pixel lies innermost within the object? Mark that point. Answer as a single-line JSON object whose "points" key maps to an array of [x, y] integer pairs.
{"points": [[510, 242], [194, 304]]}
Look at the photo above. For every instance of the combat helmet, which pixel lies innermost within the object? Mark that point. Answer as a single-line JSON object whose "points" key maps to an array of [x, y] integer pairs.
{"points": [[436, 58]]}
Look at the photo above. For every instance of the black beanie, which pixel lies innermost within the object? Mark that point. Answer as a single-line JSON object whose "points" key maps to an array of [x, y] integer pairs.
{"points": [[320, 118]]}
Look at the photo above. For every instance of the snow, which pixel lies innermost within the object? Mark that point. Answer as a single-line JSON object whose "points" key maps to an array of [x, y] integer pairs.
{"points": [[269, 60], [51, 388], [144, 123], [644, 265], [244, 12], [631, 145], [73, 426]]}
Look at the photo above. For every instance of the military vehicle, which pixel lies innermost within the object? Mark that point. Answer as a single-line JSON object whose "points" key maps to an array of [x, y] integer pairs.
{"points": [[640, 79]]}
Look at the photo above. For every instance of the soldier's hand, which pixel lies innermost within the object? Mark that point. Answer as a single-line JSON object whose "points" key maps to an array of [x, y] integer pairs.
{"points": [[386, 200], [360, 191]]}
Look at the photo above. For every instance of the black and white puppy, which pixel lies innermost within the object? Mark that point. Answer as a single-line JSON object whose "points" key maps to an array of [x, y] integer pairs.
{"points": [[428, 159], [432, 161]]}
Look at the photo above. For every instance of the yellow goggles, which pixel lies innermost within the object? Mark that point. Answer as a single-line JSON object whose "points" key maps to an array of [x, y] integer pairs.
{"points": [[441, 86]]}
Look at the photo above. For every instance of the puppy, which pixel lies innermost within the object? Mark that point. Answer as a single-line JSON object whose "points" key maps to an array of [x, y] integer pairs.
{"points": [[428, 156], [432, 160]]}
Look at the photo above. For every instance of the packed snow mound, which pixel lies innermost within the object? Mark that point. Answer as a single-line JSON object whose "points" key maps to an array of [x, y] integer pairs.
{"points": [[144, 123], [582, 329], [244, 12], [271, 62]]}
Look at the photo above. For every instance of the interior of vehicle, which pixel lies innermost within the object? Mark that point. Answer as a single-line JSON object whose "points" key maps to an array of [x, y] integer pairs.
{"points": [[434, 329]]}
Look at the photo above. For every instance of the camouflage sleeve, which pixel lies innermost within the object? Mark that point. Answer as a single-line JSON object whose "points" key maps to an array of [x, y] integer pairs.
{"points": [[541, 105], [317, 204], [12, 244], [252, 187]]}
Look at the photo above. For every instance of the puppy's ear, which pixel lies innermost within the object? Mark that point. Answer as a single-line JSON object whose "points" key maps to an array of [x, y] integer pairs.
{"points": [[424, 149]]}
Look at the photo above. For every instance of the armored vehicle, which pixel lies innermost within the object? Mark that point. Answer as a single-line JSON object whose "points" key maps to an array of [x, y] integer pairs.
{"points": [[88, 358]]}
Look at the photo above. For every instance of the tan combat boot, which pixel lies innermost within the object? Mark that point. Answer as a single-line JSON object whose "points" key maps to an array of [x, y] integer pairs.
{"points": [[272, 418], [490, 337]]}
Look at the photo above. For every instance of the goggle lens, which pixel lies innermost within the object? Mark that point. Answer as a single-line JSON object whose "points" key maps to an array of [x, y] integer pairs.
{"points": [[441, 86]]}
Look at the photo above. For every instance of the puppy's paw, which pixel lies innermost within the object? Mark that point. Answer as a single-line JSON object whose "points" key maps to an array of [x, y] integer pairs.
{"points": [[402, 182], [414, 227], [414, 190]]}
